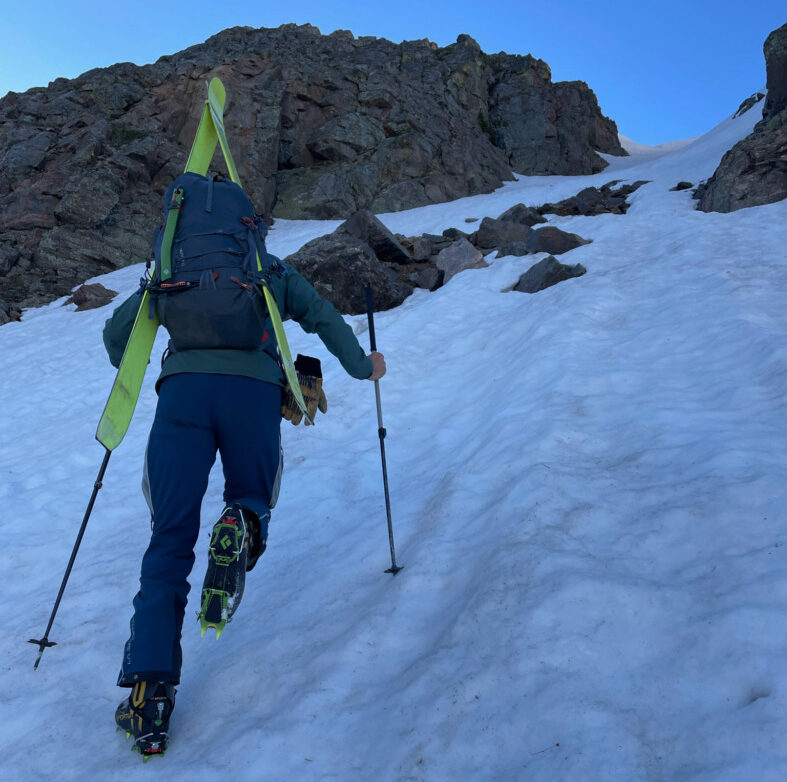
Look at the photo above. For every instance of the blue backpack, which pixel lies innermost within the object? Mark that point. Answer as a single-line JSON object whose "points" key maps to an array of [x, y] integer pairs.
{"points": [[205, 287]]}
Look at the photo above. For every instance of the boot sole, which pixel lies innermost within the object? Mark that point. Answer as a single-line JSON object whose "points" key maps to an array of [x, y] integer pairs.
{"points": [[224, 582]]}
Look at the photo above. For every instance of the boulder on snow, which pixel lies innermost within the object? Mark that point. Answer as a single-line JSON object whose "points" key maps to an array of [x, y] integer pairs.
{"points": [[524, 215], [682, 186], [90, 297], [365, 226], [513, 248], [546, 273], [594, 201], [457, 257], [340, 265], [423, 275], [452, 234], [422, 249], [553, 240], [492, 233]]}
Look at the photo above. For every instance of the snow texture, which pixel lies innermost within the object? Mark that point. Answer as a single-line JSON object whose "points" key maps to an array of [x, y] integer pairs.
{"points": [[588, 488]]}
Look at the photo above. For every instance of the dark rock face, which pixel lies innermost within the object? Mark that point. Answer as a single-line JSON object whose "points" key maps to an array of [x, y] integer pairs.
{"points": [[547, 273], [546, 128], [754, 171], [775, 51], [320, 126]]}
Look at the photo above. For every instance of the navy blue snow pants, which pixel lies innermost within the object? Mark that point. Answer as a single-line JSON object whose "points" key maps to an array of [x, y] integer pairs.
{"points": [[197, 414]]}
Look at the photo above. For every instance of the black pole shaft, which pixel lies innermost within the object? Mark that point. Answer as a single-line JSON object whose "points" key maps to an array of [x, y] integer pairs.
{"points": [[394, 569], [44, 642]]}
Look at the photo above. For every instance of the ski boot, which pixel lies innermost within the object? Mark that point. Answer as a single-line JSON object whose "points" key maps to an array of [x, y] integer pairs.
{"points": [[145, 716], [257, 544], [234, 548]]}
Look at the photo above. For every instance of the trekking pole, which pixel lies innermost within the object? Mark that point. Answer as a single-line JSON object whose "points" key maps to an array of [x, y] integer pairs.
{"points": [[394, 569], [44, 642]]}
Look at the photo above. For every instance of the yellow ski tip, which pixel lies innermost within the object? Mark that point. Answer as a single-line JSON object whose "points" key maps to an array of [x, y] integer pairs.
{"points": [[216, 86]]}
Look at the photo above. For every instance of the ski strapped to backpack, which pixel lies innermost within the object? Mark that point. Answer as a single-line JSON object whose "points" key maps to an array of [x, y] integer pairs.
{"points": [[122, 400], [216, 108]]}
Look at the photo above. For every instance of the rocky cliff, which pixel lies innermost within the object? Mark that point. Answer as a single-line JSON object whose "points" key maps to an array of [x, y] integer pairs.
{"points": [[754, 171], [321, 126]]}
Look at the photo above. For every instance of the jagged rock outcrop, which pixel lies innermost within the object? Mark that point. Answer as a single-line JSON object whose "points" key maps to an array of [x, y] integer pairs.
{"points": [[321, 127], [754, 171], [749, 103], [591, 201], [544, 115]]}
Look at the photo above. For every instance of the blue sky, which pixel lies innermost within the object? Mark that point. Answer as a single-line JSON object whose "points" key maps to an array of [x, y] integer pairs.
{"points": [[662, 70]]}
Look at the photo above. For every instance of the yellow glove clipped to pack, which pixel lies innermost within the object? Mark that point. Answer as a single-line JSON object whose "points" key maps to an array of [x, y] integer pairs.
{"points": [[310, 380]]}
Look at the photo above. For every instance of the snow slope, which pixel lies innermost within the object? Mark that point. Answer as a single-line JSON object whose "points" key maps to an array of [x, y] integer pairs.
{"points": [[634, 148], [588, 489]]}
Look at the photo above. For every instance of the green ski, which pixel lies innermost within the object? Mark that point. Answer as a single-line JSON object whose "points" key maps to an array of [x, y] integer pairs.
{"points": [[122, 401], [216, 106]]}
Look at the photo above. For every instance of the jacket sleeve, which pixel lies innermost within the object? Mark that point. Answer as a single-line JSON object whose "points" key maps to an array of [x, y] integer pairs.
{"points": [[316, 315], [117, 329]]}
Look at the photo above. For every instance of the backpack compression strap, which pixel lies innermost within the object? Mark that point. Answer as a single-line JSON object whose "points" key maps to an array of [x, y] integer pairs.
{"points": [[169, 233]]}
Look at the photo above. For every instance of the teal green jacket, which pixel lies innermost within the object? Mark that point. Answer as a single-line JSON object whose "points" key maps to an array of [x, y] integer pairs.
{"points": [[296, 298]]}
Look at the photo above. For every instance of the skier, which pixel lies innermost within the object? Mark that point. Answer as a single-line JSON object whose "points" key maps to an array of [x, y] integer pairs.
{"points": [[230, 400]]}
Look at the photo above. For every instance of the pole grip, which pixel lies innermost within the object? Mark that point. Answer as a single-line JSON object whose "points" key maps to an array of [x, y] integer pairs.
{"points": [[370, 315]]}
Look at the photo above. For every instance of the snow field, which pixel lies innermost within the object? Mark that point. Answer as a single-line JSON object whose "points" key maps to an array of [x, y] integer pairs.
{"points": [[587, 490]]}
